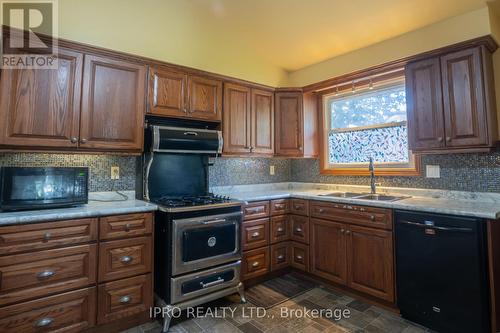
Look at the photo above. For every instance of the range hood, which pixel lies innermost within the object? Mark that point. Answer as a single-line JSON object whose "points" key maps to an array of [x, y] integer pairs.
{"points": [[170, 139]]}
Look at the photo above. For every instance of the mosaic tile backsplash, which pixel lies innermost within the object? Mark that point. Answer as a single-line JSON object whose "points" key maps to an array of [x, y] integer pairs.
{"points": [[99, 167], [462, 172]]}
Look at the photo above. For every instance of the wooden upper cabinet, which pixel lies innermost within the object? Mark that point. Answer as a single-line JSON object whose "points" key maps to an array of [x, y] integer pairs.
{"points": [[262, 122], [204, 98], [236, 123], [113, 104], [296, 124], [463, 96], [451, 102], [167, 93], [425, 104], [41, 107]]}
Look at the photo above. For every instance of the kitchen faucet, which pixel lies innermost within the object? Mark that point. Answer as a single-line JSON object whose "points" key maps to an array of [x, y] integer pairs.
{"points": [[372, 177]]}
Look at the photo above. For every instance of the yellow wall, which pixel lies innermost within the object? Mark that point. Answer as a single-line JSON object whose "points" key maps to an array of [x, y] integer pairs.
{"points": [[173, 31], [457, 29]]}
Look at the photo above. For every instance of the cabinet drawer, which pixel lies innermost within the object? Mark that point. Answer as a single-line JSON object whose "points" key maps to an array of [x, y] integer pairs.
{"points": [[280, 255], [31, 275], [255, 234], [280, 207], [123, 258], [299, 228], [299, 207], [279, 228], [69, 312], [256, 210], [121, 226], [123, 298], [255, 263], [299, 256], [362, 215], [37, 236]]}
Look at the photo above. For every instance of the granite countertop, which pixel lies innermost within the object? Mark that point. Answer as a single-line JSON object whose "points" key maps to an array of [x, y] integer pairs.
{"points": [[466, 205], [92, 209]]}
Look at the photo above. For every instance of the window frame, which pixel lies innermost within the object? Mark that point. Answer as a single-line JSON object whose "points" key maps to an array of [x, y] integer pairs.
{"points": [[412, 168]]}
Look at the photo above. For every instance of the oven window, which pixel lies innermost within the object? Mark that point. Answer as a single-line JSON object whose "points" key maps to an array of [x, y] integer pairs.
{"points": [[208, 242]]}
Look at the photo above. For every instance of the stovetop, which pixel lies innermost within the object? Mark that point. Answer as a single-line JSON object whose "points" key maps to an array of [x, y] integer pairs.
{"points": [[188, 203]]}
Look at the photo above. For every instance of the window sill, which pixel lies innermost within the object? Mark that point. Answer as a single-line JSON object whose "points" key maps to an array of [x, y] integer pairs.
{"points": [[407, 172]]}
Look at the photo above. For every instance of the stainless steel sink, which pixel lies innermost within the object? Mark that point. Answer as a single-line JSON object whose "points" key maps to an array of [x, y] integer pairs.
{"points": [[381, 197], [343, 194]]}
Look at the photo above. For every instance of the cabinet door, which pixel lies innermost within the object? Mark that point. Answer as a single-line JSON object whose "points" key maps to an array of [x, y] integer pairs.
{"points": [[328, 250], [289, 124], [167, 93], [425, 105], [113, 104], [371, 261], [262, 123], [41, 107], [205, 98], [236, 124], [463, 95]]}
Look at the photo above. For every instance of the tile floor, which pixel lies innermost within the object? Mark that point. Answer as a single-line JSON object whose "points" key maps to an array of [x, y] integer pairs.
{"points": [[363, 317]]}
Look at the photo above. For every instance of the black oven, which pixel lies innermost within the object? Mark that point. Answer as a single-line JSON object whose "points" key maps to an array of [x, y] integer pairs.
{"points": [[23, 188]]}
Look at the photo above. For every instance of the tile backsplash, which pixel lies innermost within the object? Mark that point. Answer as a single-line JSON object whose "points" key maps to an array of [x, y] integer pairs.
{"points": [[99, 167], [462, 172]]}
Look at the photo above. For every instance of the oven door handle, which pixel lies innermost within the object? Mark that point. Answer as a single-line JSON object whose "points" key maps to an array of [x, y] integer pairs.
{"points": [[216, 221], [211, 284]]}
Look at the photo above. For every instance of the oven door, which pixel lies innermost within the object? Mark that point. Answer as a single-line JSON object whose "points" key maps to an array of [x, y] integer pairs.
{"points": [[201, 283], [203, 242]]}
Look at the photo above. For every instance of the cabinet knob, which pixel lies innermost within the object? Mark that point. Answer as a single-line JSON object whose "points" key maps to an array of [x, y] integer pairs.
{"points": [[255, 264], [440, 139], [47, 236], [185, 110], [372, 217], [321, 210], [251, 149], [83, 141], [280, 257], [299, 257], [74, 140], [127, 227], [125, 299], [279, 229], [347, 232], [298, 229], [342, 230], [255, 234], [44, 322], [45, 274], [126, 259], [448, 139]]}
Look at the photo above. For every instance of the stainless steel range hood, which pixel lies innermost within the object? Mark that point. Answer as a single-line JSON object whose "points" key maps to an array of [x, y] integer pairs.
{"points": [[169, 139]]}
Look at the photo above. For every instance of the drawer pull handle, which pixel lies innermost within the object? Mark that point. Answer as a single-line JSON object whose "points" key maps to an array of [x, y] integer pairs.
{"points": [[47, 236], [347, 232], [45, 274], [255, 264], [127, 227], [372, 217], [299, 257], [279, 206], [297, 207], [125, 299], [321, 210], [44, 322], [281, 257], [342, 230], [298, 229], [255, 235], [279, 229], [126, 259], [213, 283]]}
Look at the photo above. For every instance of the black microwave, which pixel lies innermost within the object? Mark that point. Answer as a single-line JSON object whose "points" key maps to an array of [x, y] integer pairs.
{"points": [[24, 188]]}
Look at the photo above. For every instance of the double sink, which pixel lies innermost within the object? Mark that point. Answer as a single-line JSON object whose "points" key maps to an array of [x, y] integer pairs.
{"points": [[364, 196]]}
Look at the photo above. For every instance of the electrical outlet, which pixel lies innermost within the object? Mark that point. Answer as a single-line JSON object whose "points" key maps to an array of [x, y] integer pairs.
{"points": [[271, 170], [115, 172], [432, 171]]}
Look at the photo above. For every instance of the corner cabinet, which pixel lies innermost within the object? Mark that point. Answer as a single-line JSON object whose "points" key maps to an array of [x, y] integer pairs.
{"points": [[296, 130], [180, 95], [248, 123], [451, 102]]}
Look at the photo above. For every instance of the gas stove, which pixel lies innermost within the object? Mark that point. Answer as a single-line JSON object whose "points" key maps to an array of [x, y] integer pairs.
{"points": [[193, 203]]}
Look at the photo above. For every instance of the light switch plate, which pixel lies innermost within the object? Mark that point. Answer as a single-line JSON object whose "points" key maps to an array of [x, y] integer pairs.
{"points": [[432, 171], [115, 172], [271, 170]]}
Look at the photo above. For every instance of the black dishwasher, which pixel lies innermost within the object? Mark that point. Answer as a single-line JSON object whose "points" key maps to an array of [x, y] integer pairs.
{"points": [[441, 271]]}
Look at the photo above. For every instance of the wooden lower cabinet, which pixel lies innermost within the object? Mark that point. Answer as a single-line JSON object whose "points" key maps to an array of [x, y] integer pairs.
{"points": [[69, 312], [255, 263], [299, 256], [370, 262], [280, 255], [328, 250], [124, 298]]}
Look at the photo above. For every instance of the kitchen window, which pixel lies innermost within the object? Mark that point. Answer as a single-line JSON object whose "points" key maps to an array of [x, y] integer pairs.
{"points": [[363, 121]]}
